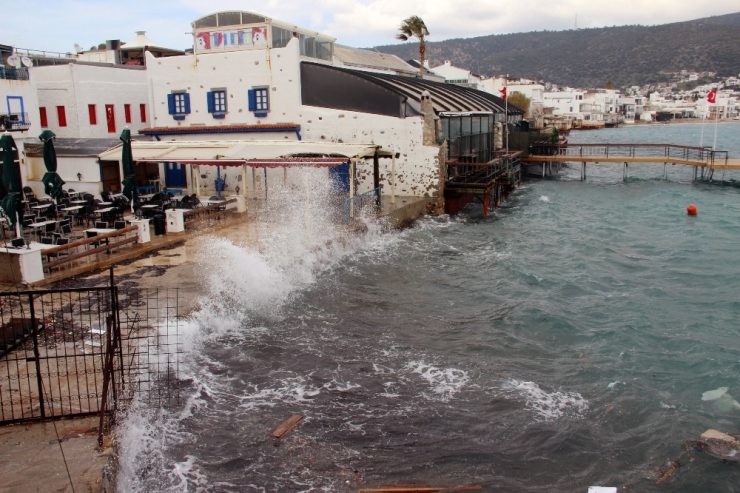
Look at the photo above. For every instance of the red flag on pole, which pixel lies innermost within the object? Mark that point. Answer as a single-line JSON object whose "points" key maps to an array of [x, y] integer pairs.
{"points": [[503, 93], [712, 96]]}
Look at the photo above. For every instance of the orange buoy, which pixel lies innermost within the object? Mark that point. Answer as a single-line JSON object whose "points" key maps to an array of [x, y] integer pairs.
{"points": [[691, 210]]}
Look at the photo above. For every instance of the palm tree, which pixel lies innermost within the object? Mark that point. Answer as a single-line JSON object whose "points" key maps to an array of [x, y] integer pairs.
{"points": [[414, 27]]}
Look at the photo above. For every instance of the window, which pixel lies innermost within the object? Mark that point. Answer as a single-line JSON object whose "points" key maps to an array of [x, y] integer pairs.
{"points": [[43, 117], [178, 104], [217, 103], [16, 109], [142, 112], [127, 112], [110, 118], [61, 116], [259, 101], [92, 114]]}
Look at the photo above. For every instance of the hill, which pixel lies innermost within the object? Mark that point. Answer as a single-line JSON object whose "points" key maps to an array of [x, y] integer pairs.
{"points": [[625, 55]]}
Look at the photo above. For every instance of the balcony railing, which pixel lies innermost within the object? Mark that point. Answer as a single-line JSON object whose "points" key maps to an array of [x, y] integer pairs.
{"points": [[13, 73], [14, 122]]}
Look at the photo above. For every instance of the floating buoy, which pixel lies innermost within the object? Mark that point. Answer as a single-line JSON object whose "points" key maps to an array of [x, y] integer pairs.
{"points": [[691, 210]]}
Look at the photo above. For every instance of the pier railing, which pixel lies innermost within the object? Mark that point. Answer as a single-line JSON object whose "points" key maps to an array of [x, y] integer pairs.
{"points": [[631, 152]]}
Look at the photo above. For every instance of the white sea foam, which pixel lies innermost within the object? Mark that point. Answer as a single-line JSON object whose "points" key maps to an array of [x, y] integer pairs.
{"points": [[443, 382], [544, 198], [547, 406]]}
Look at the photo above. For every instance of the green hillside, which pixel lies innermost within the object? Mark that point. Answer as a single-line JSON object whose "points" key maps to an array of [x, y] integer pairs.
{"points": [[626, 55]]}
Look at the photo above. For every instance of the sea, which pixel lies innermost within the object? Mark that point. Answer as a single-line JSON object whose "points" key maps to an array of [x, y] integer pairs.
{"points": [[578, 336]]}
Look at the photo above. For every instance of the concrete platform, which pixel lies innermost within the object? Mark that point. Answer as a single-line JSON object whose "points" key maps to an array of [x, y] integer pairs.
{"points": [[406, 209], [31, 459]]}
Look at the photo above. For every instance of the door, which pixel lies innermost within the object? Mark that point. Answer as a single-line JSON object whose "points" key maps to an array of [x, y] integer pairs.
{"points": [[340, 178], [110, 117], [174, 175], [110, 175]]}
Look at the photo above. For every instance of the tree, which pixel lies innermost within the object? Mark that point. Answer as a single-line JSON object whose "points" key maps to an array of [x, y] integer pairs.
{"points": [[609, 85], [414, 27], [519, 100]]}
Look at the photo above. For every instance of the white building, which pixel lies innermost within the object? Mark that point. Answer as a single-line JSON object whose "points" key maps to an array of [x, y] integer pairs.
{"points": [[457, 75], [631, 108], [529, 88], [255, 78], [18, 103], [18, 100], [83, 100], [564, 103], [725, 106]]}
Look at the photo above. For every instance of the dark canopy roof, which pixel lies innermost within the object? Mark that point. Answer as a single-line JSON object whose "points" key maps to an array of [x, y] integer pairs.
{"points": [[66, 147], [335, 87]]}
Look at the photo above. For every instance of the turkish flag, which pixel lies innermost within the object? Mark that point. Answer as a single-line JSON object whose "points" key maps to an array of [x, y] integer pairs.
{"points": [[712, 96], [503, 93]]}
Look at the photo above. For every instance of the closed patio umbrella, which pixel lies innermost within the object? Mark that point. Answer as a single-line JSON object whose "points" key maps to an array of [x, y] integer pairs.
{"points": [[10, 203], [127, 162], [51, 180]]}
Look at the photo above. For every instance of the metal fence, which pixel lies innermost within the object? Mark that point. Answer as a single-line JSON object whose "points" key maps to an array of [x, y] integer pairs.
{"points": [[85, 351], [363, 204]]}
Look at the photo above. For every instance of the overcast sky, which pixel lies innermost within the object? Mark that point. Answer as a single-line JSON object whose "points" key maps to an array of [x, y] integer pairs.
{"points": [[58, 24]]}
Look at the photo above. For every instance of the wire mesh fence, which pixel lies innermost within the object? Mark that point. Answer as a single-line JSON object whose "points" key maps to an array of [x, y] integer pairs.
{"points": [[84, 351]]}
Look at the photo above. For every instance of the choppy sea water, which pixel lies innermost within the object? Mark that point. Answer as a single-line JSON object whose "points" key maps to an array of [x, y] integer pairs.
{"points": [[562, 342]]}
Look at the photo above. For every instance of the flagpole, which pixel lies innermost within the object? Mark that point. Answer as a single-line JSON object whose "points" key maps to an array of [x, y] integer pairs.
{"points": [[506, 122], [716, 122]]}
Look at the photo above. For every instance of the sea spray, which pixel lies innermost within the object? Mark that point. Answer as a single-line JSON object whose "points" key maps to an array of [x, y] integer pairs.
{"points": [[301, 232]]}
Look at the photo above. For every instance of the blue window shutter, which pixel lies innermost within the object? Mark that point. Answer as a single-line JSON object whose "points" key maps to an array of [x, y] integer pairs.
{"points": [[171, 103], [252, 97], [210, 98], [187, 103]]}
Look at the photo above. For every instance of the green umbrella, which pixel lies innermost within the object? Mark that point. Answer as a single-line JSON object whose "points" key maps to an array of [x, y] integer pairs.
{"points": [[127, 161], [11, 179], [51, 180]]}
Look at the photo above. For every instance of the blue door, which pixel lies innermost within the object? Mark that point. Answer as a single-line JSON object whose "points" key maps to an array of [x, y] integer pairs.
{"points": [[340, 178], [174, 175]]}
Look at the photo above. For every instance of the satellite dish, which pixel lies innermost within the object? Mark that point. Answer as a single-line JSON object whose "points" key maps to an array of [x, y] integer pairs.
{"points": [[14, 61], [27, 62], [78, 48]]}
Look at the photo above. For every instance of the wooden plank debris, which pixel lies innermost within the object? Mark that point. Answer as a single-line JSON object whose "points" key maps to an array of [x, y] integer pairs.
{"points": [[419, 489], [288, 425]]}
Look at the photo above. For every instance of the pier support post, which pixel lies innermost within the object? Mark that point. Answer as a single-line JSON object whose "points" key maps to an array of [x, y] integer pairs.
{"points": [[351, 187], [624, 172], [665, 171], [695, 172], [486, 196], [393, 179], [544, 165]]}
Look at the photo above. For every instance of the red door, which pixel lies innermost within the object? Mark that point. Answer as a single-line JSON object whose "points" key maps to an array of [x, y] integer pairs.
{"points": [[110, 118]]}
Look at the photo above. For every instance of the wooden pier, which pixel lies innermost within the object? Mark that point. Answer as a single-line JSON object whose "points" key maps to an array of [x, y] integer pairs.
{"points": [[490, 182], [704, 160]]}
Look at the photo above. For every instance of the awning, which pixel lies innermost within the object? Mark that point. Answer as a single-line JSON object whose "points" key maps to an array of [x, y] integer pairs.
{"points": [[255, 153], [288, 162]]}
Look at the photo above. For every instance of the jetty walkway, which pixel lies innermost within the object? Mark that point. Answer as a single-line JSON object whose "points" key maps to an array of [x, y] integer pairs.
{"points": [[705, 160]]}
